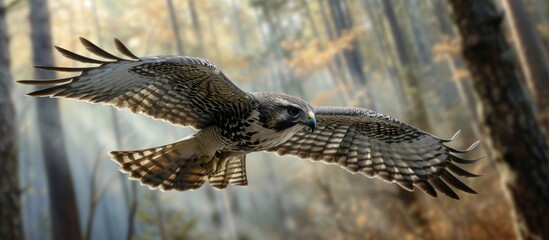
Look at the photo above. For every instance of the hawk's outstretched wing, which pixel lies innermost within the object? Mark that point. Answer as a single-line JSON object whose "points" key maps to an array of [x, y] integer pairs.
{"points": [[182, 90], [363, 141]]}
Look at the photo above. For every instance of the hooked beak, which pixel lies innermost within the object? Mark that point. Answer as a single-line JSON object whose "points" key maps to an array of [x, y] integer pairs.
{"points": [[311, 122]]}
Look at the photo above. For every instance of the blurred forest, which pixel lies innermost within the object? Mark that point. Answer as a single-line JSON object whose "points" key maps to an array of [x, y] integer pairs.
{"points": [[443, 65]]}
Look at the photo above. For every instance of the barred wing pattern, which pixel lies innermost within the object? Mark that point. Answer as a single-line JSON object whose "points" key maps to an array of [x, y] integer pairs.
{"points": [[181, 90], [363, 141]]}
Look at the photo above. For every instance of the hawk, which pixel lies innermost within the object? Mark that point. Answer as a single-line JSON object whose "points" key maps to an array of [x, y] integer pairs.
{"points": [[190, 91]]}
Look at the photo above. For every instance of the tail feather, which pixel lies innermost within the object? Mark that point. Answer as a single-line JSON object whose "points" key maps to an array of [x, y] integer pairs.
{"points": [[172, 166], [232, 171]]}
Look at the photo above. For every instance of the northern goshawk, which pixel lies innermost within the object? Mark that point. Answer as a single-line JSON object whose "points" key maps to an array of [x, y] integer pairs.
{"points": [[190, 91]]}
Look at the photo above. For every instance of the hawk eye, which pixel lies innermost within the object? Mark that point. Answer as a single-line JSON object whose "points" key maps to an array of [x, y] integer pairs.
{"points": [[293, 111]]}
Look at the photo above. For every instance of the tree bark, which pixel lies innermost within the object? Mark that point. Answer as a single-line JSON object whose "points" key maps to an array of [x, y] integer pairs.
{"points": [[63, 206], [10, 191], [532, 55], [508, 115]]}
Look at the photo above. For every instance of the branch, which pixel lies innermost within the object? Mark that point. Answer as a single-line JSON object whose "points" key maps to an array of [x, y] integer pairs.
{"points": [[93, 195], [132, 211], [159, 216]]}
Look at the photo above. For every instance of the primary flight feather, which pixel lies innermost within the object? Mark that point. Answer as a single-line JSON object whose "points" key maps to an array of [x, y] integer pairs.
{"points": [[190, 91]]}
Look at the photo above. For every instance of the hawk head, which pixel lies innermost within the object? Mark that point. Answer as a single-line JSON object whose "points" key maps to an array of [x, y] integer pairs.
{"points": [[282, 112]]}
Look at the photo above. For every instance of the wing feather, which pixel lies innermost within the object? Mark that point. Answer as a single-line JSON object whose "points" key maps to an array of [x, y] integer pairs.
{"points": [[46, 81], [123, 49], [363, 141], [182, 90], [64, 69], [77, 57], [98, 51]]}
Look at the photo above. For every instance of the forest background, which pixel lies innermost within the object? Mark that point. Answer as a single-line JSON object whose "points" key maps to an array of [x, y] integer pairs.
{"points": [[476, 65]]}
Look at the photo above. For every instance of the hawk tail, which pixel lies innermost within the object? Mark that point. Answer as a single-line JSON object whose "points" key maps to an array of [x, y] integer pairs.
{"points": [[233, 170], [173, 166]]}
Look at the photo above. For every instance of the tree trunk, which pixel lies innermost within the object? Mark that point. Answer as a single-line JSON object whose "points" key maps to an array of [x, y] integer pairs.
{"points": [[10, 192], [419, 33], [63, 207], [532, 55], [196, 28], [386, 58], [541, 10], [211, 28], [334, 76], [398, 39], [159, 216], [441, 14], [509, 118], [334, 66], [284, 74], [132, 212], [353, 57], [415, 106], [175, 28], [238, 25], [309, 15]]}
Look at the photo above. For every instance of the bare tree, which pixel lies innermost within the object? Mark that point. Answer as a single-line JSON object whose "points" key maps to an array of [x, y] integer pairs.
{"points": [[10, 192], [532, 55], [63, 207], [508, 115]]}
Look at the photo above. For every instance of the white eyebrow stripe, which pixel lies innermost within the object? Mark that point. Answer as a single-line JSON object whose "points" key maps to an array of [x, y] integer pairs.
{"points": [[285, 102]]}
